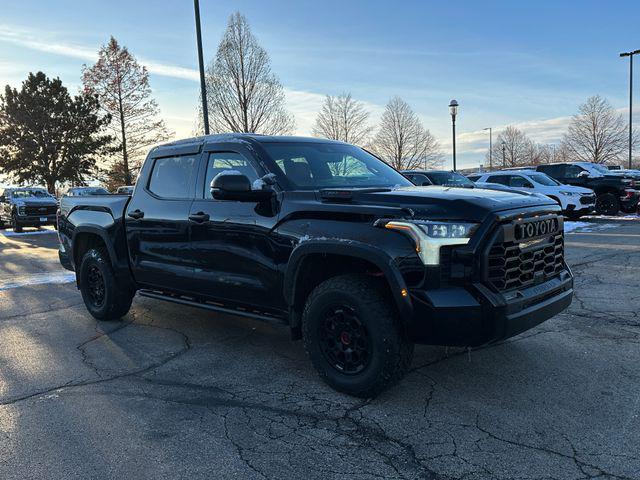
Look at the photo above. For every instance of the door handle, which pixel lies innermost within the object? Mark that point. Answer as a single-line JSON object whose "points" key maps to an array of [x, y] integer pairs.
{"points": [[136, 214], [199, 217]]}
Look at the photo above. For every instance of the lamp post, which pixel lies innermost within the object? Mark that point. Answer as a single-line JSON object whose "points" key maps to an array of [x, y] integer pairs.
{"points": [[203, 90], [490, 148], [504, 161], [453, 108], [630, 55]]}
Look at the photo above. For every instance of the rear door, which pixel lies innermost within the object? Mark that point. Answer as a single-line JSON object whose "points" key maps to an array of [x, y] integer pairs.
{"points": [[157, 223], [234, 254]]}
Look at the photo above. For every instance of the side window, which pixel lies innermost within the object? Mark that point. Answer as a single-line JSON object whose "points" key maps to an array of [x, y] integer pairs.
{"points": [[501, 179], [173, 177], [572, 171], [221, 161], [518, 181]]}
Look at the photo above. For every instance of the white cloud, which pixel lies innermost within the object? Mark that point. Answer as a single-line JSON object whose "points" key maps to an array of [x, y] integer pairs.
{"points": [[26, 39]]}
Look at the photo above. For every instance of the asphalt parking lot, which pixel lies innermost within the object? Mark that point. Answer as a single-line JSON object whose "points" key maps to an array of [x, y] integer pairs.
{"points": [[175, 392]]}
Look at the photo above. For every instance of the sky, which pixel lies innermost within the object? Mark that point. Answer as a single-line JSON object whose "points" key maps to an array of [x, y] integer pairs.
{"points": [[528, 64]]}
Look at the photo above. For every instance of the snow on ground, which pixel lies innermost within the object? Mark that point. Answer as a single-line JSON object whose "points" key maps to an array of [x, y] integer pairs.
{"points": [[37, 279], [596, 223], [28, 231]]}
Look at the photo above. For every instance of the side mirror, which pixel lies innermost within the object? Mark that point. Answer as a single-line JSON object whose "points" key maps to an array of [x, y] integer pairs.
{"points": [[233, 185], [583, 174]]}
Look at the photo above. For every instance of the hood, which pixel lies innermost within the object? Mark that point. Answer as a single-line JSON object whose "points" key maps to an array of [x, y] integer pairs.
{"points": [[34, 201], [574, 189], [435, 202]]}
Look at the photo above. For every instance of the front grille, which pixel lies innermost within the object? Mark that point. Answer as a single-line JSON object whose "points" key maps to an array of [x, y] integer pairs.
{"points": [[587, 199], [44, 210], [511, 266]]}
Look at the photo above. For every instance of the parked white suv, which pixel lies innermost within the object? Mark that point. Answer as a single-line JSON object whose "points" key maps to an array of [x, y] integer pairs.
{"points": [[574, 201]]}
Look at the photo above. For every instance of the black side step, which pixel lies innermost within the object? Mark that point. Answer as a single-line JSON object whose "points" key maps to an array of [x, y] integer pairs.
{"points": [[210, 306]]}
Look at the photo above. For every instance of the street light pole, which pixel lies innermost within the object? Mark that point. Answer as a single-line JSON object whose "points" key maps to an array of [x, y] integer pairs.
{"points": [[453, 109], [630, 55], [504, 162], [490, 148], [203, 89]]}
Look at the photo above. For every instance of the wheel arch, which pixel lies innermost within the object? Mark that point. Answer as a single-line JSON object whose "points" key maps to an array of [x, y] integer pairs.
{"points": [[314, 261], [86, 237]]}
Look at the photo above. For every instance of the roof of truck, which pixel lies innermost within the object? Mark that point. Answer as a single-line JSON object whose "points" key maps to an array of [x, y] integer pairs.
{"points": [[226, 137]]}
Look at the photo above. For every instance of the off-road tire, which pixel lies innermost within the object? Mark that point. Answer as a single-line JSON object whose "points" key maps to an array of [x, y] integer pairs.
{"points": [[116, 300], [391, 351], [607, 204], [14, 224]]}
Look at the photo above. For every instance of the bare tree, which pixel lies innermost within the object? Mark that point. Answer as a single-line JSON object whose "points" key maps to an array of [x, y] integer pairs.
{"points": [[342, 118], [519, 150], [243, 94], [402, 141], [598, 133], [122, 87]]}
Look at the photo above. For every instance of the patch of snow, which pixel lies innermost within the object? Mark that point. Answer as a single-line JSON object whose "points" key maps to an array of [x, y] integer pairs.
{"points": [[37, 279], [11, 233], [570, 227], [627, 217]]}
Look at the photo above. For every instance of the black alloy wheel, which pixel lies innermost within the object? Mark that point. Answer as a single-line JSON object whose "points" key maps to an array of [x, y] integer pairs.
{"points": [[345, 342], [95, 286]]}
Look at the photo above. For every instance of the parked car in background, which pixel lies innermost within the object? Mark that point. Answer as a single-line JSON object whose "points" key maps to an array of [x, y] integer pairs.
{"points": [[85, 191], [442, 178], [124, 190], [614, 191], [574, 201], [27, 207]]}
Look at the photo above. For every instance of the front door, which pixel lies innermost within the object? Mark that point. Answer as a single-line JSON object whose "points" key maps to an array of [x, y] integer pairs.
{"points": [[234, 252], [157, 223]]}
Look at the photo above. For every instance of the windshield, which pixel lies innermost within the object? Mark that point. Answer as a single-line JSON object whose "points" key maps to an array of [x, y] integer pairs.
{"points": [[543, 179], [450, 179], [29, 193], [311, 166], [600, 168], [91, 191]]}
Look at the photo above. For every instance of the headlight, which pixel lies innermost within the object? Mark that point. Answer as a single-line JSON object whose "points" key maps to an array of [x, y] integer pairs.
{"points": [[429, 236], [570, 194], [21, 209], [447, 229]]}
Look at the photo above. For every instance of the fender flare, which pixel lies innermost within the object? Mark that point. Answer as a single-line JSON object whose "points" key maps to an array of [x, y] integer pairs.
{"points": [[353, 249], [93, 230]]}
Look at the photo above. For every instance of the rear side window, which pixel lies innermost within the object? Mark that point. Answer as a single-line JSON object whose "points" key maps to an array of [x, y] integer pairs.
{"points": [[501, 179], [173, 177], [418, 179], [554, 171], [518, 181]]}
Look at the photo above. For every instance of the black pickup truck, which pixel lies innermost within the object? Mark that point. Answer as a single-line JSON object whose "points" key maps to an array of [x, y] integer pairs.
{"points": [[357, 261], [614, 190]]}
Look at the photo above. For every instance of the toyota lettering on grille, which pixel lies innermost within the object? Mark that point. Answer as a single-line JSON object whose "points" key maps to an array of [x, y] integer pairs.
{"points": [[539, 228]]}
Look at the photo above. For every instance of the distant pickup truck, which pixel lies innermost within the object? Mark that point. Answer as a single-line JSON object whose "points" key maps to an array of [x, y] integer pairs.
{"points": [[27, 207], [615, 190], [360, 263]]}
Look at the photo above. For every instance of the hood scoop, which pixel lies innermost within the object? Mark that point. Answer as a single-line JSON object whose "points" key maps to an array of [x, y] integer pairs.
{"points": [[347, 194]]}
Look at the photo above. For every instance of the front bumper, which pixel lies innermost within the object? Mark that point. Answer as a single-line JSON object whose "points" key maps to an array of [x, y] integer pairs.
{"points": [[475, 315], [630, 202], [579, 209], [35, 220]]}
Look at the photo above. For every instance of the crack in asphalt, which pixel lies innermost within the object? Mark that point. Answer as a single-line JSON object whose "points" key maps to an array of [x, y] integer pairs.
{"points": [[290, 425]]}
